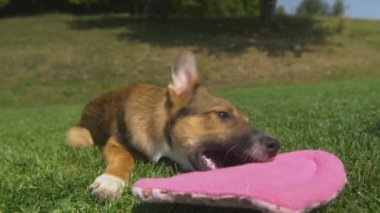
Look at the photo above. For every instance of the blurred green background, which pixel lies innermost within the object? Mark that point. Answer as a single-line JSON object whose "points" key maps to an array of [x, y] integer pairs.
{"points": [[304, 71]]}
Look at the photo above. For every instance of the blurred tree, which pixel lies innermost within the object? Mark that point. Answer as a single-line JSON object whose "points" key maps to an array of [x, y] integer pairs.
{"points": [[225, 8], [187, 7], [136, 7], [251, 7], [83, 6], [267, 9], [32, 6], [280, 11], [215, 8], [312, 8], [3, 3], [154, 8], [338, 8], [83, 3], [157, 8]]}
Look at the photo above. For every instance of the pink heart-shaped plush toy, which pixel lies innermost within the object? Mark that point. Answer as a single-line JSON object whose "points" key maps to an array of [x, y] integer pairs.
{"points": [[292, 182]]}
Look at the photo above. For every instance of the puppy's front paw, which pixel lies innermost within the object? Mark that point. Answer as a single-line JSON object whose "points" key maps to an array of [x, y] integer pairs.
{"points": [[107, 187]]}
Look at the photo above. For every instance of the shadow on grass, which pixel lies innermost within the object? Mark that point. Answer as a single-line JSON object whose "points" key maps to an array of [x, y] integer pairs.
{"points": [[374, 129], [183, 208], [228, 35]]}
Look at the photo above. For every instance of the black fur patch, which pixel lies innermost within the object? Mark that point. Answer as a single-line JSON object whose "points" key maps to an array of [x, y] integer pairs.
{"points": [[124, 136], [171, 122]]}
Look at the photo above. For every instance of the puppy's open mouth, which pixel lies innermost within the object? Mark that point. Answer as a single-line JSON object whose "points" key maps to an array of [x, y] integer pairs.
{"points": [[219, 158], [212, 156]]}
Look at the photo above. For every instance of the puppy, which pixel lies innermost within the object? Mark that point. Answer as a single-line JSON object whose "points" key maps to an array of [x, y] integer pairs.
{"points": [[182, 122]]}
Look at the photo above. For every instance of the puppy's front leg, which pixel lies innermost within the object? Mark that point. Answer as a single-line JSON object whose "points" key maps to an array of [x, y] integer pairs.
{"points": [[120, 163]]}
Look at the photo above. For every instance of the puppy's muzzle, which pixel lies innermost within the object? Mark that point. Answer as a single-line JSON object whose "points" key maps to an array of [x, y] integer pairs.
{"points": [[252, 146], [266, 144], [263, 146]]}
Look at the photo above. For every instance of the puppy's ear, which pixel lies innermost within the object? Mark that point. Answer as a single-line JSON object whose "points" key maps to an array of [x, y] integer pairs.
{"points": [[184, 74], [184, 79]]}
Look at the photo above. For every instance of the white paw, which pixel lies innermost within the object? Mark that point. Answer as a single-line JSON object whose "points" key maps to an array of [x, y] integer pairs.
{"points": [[107, 187]]}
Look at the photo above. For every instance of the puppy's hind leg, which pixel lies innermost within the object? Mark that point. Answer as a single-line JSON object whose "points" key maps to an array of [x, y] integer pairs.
{"points": [[78, 136]]}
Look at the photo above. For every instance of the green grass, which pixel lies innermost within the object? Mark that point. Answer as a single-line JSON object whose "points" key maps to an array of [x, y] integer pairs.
{"points": [[57, 58], [39, 173], [51, 65]]}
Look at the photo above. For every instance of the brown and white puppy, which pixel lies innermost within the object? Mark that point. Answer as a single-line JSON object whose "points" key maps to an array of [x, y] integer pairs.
{"points": [[182, 122]]}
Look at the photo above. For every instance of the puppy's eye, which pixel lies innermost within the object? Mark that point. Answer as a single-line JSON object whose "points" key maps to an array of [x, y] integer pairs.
{"points": [[223, 115]]}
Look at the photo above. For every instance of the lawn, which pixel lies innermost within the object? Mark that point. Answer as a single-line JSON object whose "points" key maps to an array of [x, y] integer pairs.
{"points": [[39, 173], [66, 59], [302, 82]]}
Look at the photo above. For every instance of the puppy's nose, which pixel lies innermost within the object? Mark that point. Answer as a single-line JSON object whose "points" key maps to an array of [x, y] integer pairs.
{"points": [[270, 145]]}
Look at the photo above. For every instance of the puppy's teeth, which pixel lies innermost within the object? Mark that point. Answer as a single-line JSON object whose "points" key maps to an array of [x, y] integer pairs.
{"points": [[208, 162]]}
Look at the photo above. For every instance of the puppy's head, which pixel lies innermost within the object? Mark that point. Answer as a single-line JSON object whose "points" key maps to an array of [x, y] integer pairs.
{"points": [[208, 132]]}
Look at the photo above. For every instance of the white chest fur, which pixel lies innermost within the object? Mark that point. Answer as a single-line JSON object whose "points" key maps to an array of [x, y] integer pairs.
{"points": [[163, 150]]}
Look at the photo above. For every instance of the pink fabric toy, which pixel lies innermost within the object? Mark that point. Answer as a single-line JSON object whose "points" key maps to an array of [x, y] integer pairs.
{"points": [[293, 182]]}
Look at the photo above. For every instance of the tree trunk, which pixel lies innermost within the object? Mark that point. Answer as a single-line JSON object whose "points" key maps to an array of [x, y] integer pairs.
{"points": [[155, 8], [267, 9], [164, 9], [149, 8]]}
